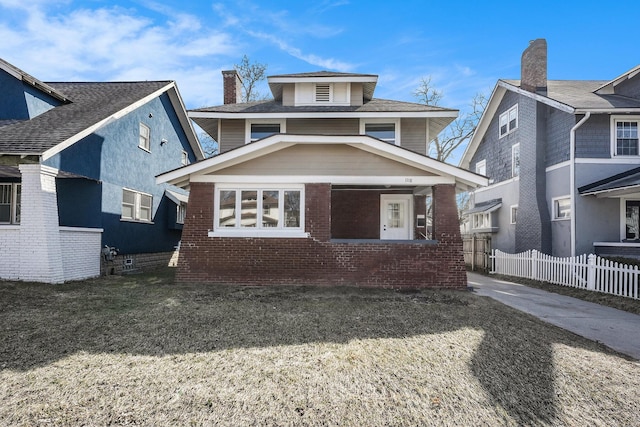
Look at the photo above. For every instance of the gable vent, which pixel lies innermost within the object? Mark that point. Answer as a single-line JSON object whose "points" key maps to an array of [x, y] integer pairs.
{"points": [[323, 93]]}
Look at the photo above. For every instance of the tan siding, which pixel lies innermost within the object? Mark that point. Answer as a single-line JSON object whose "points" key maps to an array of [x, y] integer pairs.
{"points": [[323, 126], [413, 135], [356, 94], [288, 95], [232, 134], [332, 159]]}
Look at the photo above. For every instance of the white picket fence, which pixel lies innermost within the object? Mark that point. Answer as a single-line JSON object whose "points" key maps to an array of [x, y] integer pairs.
{"points": [[589, 272]]}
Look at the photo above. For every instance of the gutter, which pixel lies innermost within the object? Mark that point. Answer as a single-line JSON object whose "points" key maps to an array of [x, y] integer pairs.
{"points": [[572, 178]]}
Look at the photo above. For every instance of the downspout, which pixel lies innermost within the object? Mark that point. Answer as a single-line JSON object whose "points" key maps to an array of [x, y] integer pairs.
{"points": [[572, 178]]}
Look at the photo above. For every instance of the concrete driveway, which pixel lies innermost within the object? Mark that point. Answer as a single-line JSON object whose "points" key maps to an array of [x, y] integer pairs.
{"points": [[614, 328]]}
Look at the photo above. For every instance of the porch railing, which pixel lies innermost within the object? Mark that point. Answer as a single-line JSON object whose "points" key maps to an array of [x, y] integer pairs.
{"points": [[589, 272]]}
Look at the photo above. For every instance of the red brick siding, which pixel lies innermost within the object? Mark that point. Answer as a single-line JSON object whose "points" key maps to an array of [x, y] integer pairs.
{"points": [[317, 260]]}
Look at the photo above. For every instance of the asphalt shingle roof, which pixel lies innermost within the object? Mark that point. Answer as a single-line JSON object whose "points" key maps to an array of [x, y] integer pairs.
{"points": [[271, 106], [89, 103], [579, 94]]}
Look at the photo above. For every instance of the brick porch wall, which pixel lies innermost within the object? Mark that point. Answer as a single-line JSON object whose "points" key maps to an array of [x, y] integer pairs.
{"points": [[317, 260]]}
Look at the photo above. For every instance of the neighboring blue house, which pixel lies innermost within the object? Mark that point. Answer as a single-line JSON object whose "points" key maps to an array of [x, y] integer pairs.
{"points": [[562, 157], [77, 172]]}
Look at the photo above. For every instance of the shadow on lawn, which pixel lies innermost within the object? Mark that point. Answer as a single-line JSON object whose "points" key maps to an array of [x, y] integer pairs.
{"points": [[149, 315]]}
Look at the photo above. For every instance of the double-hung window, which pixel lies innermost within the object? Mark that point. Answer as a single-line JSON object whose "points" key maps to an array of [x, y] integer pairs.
{"points": [[624, 136], [145, 137], [10, 199], [263, 211], [508, 121], [136, 206]]}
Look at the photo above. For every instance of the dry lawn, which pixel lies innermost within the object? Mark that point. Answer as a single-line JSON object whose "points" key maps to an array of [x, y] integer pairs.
{"points": [[140, 350]]}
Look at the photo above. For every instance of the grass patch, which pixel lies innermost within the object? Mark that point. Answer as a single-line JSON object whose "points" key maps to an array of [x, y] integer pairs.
{"points": [[142, 350]]}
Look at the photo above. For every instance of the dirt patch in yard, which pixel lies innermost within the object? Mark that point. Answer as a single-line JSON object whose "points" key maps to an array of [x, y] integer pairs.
{"points": [[142, 350]]}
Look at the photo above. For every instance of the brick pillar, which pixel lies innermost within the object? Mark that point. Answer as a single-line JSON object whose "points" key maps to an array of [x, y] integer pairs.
{"points": [[194, 260], [40, 248], [318, 211], [446, 230]]}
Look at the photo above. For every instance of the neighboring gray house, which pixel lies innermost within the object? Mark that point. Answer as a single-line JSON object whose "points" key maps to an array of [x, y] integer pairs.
{"points": [[562, 157]]}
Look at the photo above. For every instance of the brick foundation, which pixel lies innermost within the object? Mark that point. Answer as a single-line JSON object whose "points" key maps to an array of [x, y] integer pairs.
{"points": [[138, 263], [318, 260]]}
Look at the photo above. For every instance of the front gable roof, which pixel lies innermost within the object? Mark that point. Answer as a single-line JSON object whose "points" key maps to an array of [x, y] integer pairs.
{"points": [[428, 171]]}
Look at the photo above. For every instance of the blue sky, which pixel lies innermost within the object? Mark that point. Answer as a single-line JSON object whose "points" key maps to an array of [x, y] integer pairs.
{"points": [[464, 46]]}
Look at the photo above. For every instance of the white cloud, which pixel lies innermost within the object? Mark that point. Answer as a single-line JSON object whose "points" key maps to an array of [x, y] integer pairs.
{"points": [[327, 63], [116, 44]]}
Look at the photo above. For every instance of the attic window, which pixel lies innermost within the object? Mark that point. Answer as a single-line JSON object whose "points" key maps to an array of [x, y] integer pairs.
{"points": [[509, 121], [323, 92]]}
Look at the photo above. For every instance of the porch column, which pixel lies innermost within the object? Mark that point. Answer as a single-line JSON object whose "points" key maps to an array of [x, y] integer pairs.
{"points": [[446, 230], [40, 250]]}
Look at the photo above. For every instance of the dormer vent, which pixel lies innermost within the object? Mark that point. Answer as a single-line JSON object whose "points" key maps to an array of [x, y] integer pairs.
{"points": [[323, 92]]}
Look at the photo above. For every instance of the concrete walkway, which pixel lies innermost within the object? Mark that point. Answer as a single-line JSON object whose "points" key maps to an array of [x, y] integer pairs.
{"points": [[617, 329]]}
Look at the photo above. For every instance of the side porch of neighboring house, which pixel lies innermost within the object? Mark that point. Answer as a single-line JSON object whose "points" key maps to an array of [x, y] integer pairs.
{"points": [[33, 246], [322, 210]]}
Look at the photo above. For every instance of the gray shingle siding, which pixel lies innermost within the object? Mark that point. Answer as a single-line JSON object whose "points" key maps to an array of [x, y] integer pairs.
{"points": [[593, 138], [559, 124], [630, 88], [495, 150]]}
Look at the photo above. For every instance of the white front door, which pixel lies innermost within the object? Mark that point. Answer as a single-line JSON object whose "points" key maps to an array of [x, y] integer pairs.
{"points": [[395, 216]]}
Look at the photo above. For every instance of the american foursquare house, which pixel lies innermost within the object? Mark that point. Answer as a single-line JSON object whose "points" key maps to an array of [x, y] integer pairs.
{"points": [[77, 172], [324, 184], [563, 159]]}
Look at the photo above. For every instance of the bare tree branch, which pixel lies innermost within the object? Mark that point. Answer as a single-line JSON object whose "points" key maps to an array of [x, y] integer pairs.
{"points": [[251, 73]]}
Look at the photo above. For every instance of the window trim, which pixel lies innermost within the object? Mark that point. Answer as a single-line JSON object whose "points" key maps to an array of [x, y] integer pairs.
{"points": [[258, 230], [554, 204], [396, 123], [513, 163], [137, 204], [513, 220], [506, 114], [481, 164], [147, 138], [13, 205], [248, 123], [613, 135]]}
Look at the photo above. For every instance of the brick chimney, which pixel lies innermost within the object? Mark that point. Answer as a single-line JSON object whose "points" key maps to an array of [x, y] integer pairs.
{"points": [[534, 67], [232, 86]]}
